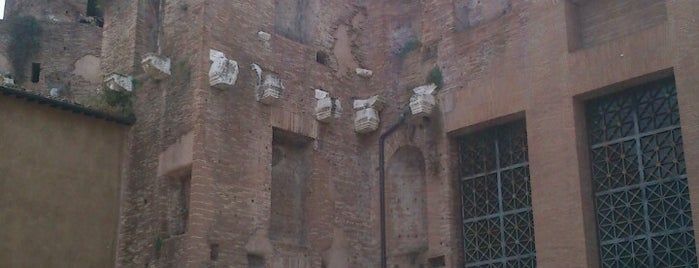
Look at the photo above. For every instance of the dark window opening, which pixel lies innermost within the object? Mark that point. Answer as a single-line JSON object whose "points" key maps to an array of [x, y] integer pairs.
{"points": [[322, 57], [213, 252], [178, 210], [639, 178], [36, 72], [437, 262], [255, 261], [498, 228], [94, 13], [93, 9]]}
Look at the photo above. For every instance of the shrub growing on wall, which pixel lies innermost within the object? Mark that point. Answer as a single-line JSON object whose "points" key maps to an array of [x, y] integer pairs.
{"points": [[25, 43], [435, 77], [120, 101]]}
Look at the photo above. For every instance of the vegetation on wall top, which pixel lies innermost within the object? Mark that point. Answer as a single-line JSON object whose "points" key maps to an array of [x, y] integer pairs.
{"points": [[25, 43], [119, 101]]}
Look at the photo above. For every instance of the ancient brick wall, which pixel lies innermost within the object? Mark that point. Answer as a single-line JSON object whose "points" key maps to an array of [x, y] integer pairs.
{"points": [[119, 37], [291, 170], [512, 59], [238, 146], [155, 200], [69, 59], [47, 10]]}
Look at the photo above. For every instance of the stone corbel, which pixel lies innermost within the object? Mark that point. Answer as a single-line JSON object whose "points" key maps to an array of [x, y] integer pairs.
{"points": [[269, 87], [223, 72], [156, 67], [422, 102], [367, 114], [118, 82], [327, 108], [7, 80], [366, 73]]}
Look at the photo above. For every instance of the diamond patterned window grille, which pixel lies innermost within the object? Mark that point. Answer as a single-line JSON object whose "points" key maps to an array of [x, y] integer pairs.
{"points": [[498, 229], [639, 179]]}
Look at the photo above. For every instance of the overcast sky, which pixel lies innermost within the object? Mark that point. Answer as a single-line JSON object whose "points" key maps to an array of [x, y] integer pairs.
{"points": [[2, 8]]}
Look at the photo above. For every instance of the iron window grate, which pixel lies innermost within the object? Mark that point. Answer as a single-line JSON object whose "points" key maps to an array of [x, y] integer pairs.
{"points": [[496, 198], [639, 178]]}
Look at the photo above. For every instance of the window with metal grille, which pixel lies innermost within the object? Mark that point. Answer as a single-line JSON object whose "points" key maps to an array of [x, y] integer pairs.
{"points": [[639, 179], [498, 228]]}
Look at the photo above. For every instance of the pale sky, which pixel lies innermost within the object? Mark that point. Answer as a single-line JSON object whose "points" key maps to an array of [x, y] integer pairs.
{"points": [[2, 8]]}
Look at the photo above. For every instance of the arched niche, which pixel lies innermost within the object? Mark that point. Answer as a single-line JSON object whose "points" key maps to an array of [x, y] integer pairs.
{"points": [[406, 204]]}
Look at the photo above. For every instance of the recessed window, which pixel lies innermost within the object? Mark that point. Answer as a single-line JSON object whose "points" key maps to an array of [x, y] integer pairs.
{"points": [[36, 72], [293, 19], [601, 21], [291, 172], [639, 178], [498, 227], [178, 205], [437, 262], [213, 252], [322, 57], [255, 261]]}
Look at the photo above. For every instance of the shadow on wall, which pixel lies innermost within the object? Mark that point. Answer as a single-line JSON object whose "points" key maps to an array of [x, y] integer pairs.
{"points": [[472, 13], [291, 169], [407, 208]]}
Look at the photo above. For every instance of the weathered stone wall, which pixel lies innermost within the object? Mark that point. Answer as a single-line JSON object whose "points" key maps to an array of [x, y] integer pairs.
{"points": [[163, 139], [47, 10], [513, 59], [69, 59], [399, 66], [119, 37], [236, 155], [60, 177]]}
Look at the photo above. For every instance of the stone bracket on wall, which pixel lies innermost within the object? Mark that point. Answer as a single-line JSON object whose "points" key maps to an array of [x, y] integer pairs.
{"points": [[223, 72], [367, 114], [269, 86], [366, 73], [422, 102], [156, 67], [7, 80], [327, 108], [118, 82]]}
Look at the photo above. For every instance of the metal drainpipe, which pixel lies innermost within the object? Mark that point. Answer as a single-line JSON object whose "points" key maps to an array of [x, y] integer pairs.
{"points": [[382, 183]]}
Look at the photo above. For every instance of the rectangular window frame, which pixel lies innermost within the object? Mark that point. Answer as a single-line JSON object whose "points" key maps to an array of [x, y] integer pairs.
{"points": [[621, 129], [480, 158]]}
